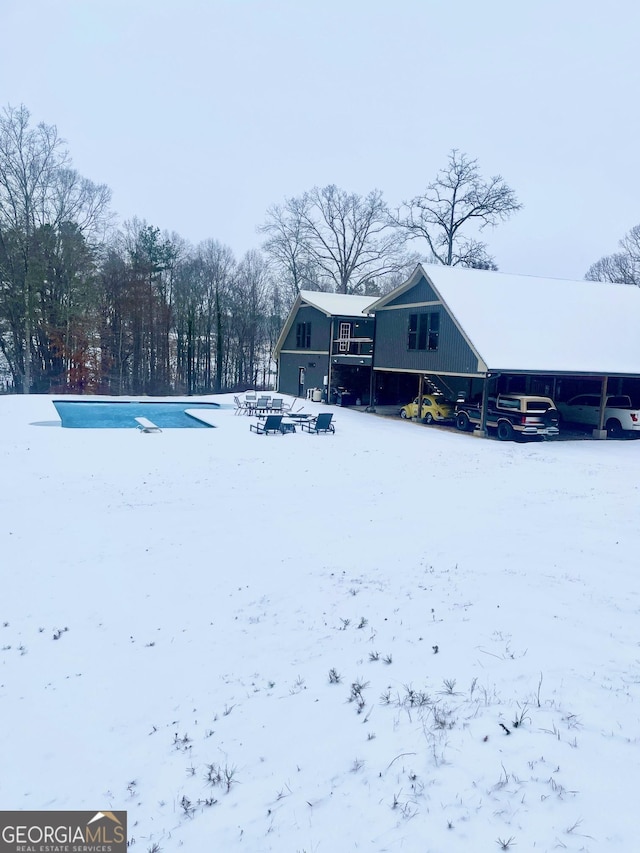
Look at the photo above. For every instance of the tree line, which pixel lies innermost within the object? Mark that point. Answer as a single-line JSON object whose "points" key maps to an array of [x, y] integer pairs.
{"points": [[87, 305]]}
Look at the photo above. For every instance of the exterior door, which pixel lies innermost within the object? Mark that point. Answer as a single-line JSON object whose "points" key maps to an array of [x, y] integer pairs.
{"points": [[343, 337]]}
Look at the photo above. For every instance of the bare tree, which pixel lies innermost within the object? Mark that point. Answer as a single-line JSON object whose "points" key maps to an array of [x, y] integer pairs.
{"points": [[248, 309], [218, 269], [622, 267], [456, 200], [38, 190], [345, 239], [287, 250], [28, 160], [78, 200]]}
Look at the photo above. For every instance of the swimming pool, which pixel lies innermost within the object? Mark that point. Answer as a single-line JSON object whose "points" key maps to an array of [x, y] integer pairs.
{"points": [[121, 414]]}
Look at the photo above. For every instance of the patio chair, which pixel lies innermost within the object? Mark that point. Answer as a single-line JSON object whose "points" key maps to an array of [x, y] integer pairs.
{"points": [[287, 406], [271, 424], [277, 405], [321, 423], [242, 407], [263, 404]]}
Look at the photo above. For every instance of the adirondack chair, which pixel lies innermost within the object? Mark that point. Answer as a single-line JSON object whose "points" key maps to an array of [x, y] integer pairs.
{"points": [[271, 424], [321, 423]]}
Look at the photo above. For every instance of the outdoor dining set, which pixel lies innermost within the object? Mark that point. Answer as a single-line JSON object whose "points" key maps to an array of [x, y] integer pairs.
{"points": [[260, 405], [274, 416]]}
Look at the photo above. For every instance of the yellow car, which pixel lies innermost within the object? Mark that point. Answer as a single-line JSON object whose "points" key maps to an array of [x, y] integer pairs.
{"points": [[434, 409]]}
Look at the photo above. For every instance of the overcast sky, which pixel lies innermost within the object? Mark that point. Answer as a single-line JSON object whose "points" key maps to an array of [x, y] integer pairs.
{"points": [[200, 114]]}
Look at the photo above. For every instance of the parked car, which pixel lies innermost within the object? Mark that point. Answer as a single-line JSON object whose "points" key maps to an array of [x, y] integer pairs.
{"points": [[434, 408], [512, 416], [620, 416]]}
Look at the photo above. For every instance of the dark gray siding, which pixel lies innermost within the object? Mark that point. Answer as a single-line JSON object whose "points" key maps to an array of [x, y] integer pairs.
{"points": [[421, 292], [453, 355], [320, 328], [290, 364], [316, 365]]}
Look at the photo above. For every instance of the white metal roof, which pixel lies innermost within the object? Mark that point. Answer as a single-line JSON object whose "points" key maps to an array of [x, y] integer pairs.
{"points": [[543, 325], [331, 304], [334, 304]]}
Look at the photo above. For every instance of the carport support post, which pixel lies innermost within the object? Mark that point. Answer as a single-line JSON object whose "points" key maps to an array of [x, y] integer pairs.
{"points": [[601, 432], [420, 390], [330, 371], [483, 408], [372, 391]]}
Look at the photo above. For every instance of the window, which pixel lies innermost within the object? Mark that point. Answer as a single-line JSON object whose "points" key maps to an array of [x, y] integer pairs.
{"points": [[434, 331], [424, 331], [585, 400], [344, 335], [303, 336], [623, 402], [509, 403]]}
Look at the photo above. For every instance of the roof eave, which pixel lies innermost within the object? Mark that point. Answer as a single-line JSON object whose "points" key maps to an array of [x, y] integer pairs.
{"points": [[285, 329], [398, 291]]}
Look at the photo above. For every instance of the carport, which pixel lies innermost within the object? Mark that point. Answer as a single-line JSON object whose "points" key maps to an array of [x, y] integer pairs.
{"points": [[471, 333]]}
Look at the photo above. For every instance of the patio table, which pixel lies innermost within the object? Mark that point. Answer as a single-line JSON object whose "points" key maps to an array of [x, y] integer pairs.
{"points": [[297, 416]]}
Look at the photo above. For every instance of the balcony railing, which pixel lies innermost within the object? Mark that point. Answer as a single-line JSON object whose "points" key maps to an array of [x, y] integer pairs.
{"points": [[352, 346]]}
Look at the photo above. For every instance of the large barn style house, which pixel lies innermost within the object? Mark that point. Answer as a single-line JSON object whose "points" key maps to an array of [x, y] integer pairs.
{"points": [[466, 333]]}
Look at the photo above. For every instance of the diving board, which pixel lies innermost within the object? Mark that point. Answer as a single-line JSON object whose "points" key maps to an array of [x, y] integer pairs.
{"points": [[145, 425]]}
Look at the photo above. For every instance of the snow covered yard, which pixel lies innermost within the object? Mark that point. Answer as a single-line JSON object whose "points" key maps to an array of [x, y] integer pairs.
{"points": [[391, 638]]}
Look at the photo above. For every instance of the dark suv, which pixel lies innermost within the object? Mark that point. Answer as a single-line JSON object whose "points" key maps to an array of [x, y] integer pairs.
{"points": [[512, 415]]}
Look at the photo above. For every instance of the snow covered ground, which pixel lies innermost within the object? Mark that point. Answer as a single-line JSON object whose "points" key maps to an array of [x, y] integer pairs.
{"points": [[394, 638]]}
